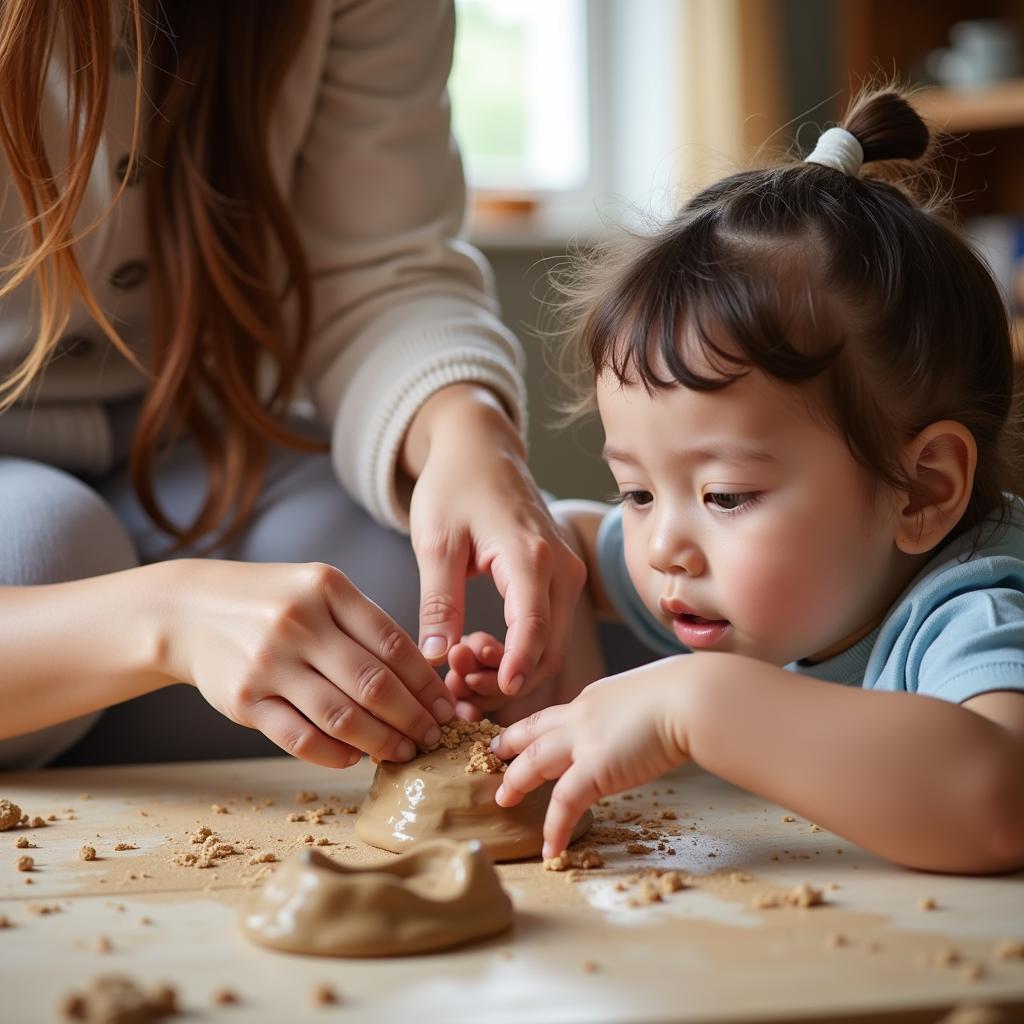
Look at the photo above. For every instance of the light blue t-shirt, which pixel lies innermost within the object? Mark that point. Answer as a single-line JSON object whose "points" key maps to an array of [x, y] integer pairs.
{"points": [[957, 631]]}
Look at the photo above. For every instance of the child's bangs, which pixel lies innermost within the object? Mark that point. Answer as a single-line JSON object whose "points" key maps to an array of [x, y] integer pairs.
{"points": [[693, 313]]}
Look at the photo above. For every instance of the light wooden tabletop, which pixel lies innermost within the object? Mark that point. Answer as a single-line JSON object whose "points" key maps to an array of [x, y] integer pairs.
{"points": [[583, 949]]}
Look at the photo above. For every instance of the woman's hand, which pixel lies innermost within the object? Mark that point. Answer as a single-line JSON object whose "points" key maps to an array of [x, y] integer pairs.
{"points": [[618, 733], [299, 653], [475, 509]]}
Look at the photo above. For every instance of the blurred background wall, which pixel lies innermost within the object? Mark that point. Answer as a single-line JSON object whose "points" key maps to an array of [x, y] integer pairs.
{"points": [[576, 115]]}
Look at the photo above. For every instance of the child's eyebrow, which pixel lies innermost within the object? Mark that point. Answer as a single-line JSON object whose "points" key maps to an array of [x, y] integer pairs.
{"points": [[726, 451]]}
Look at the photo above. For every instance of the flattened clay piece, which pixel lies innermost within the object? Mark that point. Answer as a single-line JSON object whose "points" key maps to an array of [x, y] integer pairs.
{"points": [[450, 793], [441, 894]]}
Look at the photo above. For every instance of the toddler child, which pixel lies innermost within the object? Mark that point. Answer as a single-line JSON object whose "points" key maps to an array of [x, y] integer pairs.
{"points": [[805, 381]]}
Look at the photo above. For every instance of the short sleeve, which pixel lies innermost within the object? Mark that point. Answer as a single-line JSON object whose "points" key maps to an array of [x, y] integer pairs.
{"points": [[611, 560], [972, 644]]}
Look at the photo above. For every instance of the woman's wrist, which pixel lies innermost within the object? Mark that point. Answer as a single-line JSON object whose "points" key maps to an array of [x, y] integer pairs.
{"points": [[454, 415]]}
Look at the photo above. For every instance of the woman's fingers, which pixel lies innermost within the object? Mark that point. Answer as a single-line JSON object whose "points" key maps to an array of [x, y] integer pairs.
{"points": [[574, 792], [365, 703], [339, 716], [385, 643], [280, 722], [444, 564]]}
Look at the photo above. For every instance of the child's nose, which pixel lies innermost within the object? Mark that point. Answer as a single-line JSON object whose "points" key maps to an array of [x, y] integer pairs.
{"points": [[674, 549]]}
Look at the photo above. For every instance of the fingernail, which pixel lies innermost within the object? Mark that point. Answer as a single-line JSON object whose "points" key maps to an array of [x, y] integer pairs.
{"points": [[499, 794], [433, 737], [495, 740], [547, 851], [405, 750], [443, 710], [516, 685], [433, 646], [354, 760], [487, 653]]}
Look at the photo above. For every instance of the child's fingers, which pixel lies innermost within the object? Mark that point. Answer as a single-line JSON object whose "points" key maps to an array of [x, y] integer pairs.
{"points": [[487, 649], [456, 685], [574, 792], [544, 759], [485, 684], [518, 736]]}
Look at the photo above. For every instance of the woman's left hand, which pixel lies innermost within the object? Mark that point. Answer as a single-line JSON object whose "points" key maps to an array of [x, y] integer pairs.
{"points": [[620, 732], [475, 509]]}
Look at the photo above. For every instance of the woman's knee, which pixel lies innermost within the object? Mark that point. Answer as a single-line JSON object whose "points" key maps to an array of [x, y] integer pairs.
{"points": [[54, 528]]}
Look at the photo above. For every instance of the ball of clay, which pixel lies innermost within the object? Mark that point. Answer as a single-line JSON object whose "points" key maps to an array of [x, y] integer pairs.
{"points": [[441, 894], [450, 793]]}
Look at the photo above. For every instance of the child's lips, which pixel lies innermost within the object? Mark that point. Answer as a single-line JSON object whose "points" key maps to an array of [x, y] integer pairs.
{"points": [[695, 631], [692, 629]]}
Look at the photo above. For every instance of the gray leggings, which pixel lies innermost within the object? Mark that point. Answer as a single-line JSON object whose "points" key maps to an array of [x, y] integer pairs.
{"points": [[54, 528]]}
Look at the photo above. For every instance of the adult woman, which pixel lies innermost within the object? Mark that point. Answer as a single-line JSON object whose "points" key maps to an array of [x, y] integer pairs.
{"points": [[220, 203]]}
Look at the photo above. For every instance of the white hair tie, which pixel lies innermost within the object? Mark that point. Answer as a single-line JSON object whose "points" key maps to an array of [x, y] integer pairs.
{"points": [[839, 149]]}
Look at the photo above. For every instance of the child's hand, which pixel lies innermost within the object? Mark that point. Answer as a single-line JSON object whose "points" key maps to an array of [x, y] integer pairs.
{"points": [[472, 677], [618, 733]]}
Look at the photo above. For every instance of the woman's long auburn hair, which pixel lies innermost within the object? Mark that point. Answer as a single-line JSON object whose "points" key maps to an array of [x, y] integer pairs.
{"points": [[220, 237]]}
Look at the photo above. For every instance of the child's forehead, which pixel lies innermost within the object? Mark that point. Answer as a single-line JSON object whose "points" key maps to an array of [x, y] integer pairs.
{"points": [[754, 412]]}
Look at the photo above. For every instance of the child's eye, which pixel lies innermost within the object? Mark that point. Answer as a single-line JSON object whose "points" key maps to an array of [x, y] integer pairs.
{"points": [[635, 498], [730, 502]]}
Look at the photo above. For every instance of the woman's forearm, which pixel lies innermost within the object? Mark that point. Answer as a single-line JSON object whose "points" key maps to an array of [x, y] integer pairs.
{"points": [[71, 648], [917, 780]]}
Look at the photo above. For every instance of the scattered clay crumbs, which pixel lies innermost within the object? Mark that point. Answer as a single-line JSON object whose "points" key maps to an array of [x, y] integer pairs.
{"points": [[24, 863], [802, 895], [87, 853], [586, 859], [125, 846]]}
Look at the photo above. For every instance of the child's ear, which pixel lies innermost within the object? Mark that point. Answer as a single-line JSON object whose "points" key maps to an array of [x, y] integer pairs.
{"points": [[941, 460]]}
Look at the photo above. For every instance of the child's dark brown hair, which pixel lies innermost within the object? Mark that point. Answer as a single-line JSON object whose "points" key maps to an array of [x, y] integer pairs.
{"points": [[845, 285]]}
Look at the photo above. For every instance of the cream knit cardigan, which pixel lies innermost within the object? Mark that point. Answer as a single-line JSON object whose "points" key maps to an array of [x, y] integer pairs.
{"points": [[360, 146]]}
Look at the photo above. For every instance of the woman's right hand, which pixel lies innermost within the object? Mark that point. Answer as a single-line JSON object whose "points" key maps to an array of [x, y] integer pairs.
{"points": [[296, 651]]}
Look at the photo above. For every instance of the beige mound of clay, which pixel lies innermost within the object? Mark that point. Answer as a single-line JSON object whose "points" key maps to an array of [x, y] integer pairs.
{"points": [[449, 792], [441, 894]]}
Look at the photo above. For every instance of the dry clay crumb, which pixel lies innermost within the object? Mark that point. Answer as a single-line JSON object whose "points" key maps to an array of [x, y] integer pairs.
{"points": [[586, 859], [263, 858], [24, 843], [225, 997], [24, 863], [10, 815], [125, 846], [324, 995], [5, 921], [926, 903], [1009, 949], [116, 999], [305, 796], [87, 853], [802, 895]]}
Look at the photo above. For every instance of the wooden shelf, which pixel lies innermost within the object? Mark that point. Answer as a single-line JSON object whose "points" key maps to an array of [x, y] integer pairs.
{"points": [[973, 110]]}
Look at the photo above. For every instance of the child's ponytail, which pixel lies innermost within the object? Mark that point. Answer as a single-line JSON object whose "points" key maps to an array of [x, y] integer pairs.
{"points": [[887, 127]]}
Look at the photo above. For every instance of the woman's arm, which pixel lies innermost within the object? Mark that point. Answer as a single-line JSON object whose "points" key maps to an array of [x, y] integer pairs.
{"points": [[294, 650], [72, 648], [915, 779]]}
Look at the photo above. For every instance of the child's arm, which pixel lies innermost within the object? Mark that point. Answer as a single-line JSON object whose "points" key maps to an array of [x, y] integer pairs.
{"points": [[918, 780]]}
